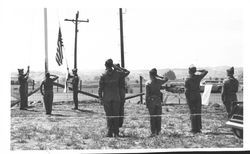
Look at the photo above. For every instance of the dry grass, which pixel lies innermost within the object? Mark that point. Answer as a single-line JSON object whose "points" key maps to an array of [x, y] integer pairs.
{"points": [[86, 128]]}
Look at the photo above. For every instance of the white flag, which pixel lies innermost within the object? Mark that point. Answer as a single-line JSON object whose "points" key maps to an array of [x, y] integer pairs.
{"points": [[206, 94]]}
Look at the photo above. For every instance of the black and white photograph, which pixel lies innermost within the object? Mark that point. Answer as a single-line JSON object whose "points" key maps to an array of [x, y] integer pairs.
{"points": [[102, 77]]}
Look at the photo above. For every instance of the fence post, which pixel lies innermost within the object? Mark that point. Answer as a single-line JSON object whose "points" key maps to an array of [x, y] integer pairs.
{"points": [[141, 99], [57, 86], [33, 84], [81, 85], [179, 98]]}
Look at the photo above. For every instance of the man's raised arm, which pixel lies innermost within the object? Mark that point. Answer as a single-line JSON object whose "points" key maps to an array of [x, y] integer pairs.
{"points": [[123, 70], [27, 73], [55, 77], [203, 73], [100, 89], [41, 88]]}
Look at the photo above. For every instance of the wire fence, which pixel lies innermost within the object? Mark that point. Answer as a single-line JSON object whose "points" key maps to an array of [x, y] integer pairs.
{"points": [[59, 95]]}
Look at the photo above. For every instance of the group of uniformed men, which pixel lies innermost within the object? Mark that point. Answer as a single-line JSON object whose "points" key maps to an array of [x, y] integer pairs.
{"points": [[112, 95], [46, 89]]}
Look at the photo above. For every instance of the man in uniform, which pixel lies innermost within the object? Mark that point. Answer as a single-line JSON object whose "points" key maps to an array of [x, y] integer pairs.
{"points": [[23, 89], [48, 91], [110, 95], [154, 100], [75, 82], [193, 97], [229, 90], [122, 89]]}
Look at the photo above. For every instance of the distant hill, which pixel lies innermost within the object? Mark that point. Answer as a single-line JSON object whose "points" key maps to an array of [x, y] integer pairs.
{"points": [[86, 76]]}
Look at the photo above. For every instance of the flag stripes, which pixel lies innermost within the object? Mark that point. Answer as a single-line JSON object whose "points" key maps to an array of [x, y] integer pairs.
{"points": [[59, 53]]}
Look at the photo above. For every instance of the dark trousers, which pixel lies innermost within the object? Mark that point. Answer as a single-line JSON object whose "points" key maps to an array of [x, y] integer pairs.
{"points": [[155, 111], [121, 112], [24, 98], [111, 108], [48, 100], [75, 98], [228, 100], [194, 103]]}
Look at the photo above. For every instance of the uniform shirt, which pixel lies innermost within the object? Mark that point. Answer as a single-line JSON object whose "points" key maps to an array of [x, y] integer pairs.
{"points": [[153, 87], [122, 82], [75, 81], [109, 85], [22, 79], [48, 84], [230, 86], [192, 83]]}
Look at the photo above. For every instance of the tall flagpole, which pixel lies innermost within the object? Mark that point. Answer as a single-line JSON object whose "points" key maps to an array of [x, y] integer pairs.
{"points": [[121, 39], [46, 40], [46, 55]]}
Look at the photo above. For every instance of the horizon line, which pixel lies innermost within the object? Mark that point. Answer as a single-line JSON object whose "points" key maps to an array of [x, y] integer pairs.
{"points": [[99, 69]]}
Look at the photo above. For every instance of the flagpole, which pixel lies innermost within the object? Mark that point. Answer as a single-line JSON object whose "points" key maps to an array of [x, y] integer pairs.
{"points": [[121, 39], [46, 40]]}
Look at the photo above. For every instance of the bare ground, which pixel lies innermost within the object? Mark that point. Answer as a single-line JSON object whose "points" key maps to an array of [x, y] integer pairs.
{"points": [[86, 128]]}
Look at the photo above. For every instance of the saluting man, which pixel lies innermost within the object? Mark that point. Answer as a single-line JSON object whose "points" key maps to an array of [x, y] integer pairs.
{"points": [[75, 82], [154, 100], [193, 97], [109, 95], [122, 89], [229, 90], [48, 94], [23, 89]]}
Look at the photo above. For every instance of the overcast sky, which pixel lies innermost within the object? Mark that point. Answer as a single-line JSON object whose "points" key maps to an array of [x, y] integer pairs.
{"points": [[153, 37]]}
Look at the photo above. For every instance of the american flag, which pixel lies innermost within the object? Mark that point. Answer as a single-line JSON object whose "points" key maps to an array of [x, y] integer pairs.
{"points": [[59, 53]]}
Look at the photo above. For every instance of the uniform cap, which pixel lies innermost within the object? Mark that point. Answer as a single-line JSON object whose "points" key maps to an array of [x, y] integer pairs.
{"points": [[153, 72], [230, 70], [109, 63], [20, 70], [47, 74], [192, 68]]}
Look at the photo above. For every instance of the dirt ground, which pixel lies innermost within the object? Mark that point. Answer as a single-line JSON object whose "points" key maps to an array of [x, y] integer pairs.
{"points": [[86, 128]]}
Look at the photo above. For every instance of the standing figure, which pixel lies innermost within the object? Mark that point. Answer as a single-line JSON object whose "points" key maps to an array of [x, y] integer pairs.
{"points": [[154, 100], [122, 90], [110, 95], [193, 97], [48, 94], [229, 90], [23, 89], [75, 82]]}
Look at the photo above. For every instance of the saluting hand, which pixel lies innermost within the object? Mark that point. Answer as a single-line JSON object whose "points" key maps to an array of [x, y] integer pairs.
{"points": [[114, 66]]}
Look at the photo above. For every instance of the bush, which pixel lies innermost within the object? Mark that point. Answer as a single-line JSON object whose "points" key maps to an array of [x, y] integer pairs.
{"points": [[170, 75]]}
